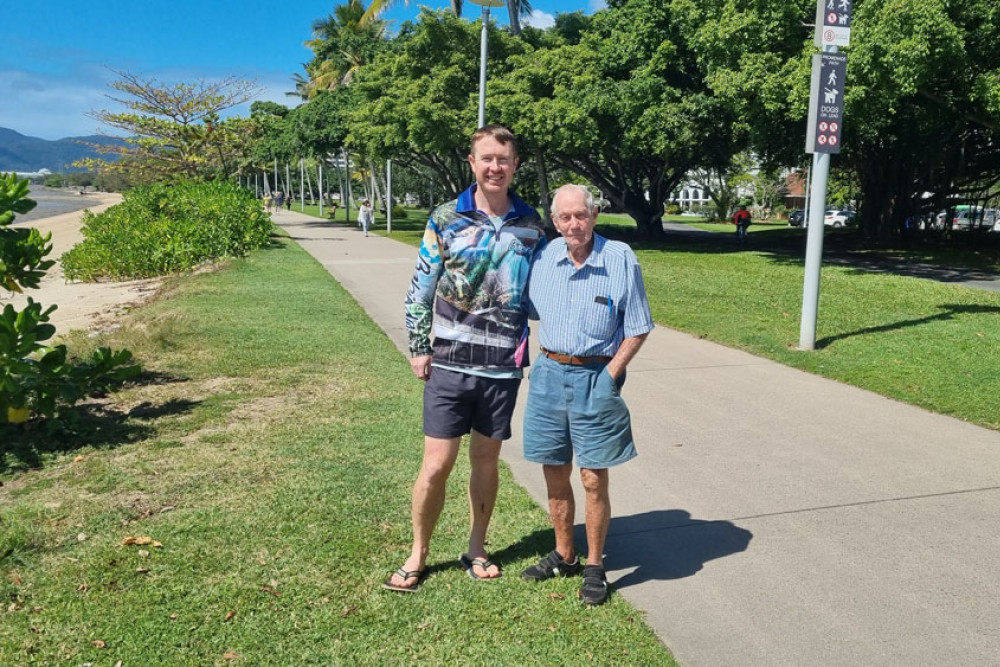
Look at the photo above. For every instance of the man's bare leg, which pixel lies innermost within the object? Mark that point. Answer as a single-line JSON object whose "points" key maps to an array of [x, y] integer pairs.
{"points": [[595, 483], [562, 508], [484, 480], [428, 501]]}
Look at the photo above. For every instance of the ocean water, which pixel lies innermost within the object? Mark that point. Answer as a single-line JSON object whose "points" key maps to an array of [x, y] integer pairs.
{"points": [[54, 201]]}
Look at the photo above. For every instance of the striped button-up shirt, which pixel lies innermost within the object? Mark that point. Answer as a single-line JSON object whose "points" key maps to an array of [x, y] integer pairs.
{"points": [[588, 311]]}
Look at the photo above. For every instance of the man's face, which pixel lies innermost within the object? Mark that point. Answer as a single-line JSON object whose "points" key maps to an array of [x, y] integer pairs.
{"points": [[573, 219], [493, 164]]}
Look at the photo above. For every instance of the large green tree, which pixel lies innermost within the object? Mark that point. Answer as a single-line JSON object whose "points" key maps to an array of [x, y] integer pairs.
{"points": [[628, 108], [417, 102]]}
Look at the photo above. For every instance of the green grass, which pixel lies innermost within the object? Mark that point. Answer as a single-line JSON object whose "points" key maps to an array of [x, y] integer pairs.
{"points": [[270, 448], [923, 342]]}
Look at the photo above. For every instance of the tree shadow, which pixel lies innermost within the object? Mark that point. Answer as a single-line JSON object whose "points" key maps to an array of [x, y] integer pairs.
{"points": [[89, 424], [950, 311]]}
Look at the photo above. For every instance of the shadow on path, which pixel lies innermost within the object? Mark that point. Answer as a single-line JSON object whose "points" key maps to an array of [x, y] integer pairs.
{"points": [[667, 544]]}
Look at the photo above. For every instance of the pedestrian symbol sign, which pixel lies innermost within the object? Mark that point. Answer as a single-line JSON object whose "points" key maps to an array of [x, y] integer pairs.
{"points": [[826, 103], [833, 22]]}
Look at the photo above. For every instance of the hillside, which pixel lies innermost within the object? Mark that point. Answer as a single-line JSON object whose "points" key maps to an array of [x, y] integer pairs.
{"points": [[21, 153]]}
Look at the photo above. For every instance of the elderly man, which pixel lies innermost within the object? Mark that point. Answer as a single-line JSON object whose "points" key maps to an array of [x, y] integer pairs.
{"points": [[470, 278], [589, 296]]}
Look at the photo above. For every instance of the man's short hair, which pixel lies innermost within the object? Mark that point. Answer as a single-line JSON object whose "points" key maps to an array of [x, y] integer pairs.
{"points": [[588, 196], [498, 132]]}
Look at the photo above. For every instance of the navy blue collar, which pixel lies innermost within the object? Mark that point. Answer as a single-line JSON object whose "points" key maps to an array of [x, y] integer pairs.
{"points": [[467, 204]]}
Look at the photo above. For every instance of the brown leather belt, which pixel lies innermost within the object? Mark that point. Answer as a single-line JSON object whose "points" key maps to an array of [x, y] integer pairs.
{"points": [[571, 360]]}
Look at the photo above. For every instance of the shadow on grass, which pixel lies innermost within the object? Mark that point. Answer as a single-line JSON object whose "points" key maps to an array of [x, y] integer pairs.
{"points": [[94, 424], [950, 311]]}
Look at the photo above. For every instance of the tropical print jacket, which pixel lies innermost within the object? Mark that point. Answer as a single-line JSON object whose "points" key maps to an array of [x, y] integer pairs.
{"points": [[470, 281]]}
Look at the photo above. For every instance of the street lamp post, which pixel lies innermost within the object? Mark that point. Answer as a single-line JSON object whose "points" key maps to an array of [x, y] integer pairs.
{"points": [[483, 50]]}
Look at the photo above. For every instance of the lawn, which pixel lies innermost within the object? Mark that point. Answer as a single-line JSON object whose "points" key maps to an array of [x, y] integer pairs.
{"points": [[268, 453]]}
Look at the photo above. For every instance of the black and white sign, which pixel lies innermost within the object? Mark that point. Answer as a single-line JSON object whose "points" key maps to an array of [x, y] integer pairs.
{"points": [[826, 103], [833, 22]]}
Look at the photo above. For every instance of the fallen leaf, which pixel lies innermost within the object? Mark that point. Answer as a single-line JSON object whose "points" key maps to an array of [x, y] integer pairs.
{"points": [[81, 537], [166, 509], [82, 588], [142, 570], [229, 617], [557, 596], [271, 591], [16, 580], [980, 334], [348, 611], [552, 628], [229, 655], [98, 643], [142, 541], [143, 553], [173, 617], [78, 459], [118, 664], [424, 625]]}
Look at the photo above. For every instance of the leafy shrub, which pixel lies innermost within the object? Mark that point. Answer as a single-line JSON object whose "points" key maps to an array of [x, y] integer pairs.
{"points": [[161, 229], [35, 377], [398, 212]]}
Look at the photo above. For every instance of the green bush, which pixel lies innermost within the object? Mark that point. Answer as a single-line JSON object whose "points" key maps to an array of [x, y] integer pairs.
{"points": [[161, 229], [35, 377], [398, 212]]}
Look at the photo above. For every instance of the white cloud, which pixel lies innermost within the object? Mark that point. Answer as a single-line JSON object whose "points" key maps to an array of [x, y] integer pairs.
{"points": [[597, 5], [540, 19]]}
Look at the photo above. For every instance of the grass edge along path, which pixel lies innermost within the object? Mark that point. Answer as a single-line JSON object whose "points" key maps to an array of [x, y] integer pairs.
{"points": [[271, 453]]}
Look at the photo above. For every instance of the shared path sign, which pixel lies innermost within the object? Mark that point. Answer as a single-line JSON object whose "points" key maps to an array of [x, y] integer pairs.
{"points": [[826, 103], [833, 22]]}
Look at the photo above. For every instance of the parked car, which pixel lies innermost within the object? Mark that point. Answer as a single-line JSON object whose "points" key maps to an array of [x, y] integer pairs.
{"points": [[796, 217], [835, 218]]}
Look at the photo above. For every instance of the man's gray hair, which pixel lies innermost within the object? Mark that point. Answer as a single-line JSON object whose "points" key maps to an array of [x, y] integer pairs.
{"points": [[569, 187]]}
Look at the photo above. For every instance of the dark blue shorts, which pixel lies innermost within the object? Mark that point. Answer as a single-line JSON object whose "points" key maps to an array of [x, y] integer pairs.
{"points": [[576, 410], [455, 403]]}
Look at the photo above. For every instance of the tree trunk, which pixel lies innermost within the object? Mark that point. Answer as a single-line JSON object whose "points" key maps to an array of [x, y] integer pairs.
{"points": [[543, 188], [514, 12]]}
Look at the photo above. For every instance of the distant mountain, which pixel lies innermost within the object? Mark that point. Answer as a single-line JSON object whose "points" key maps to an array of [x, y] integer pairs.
{"points": [[21, 153]]}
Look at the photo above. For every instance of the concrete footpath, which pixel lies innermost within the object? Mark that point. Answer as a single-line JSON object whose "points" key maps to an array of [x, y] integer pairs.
{"points": [[773, 517]]}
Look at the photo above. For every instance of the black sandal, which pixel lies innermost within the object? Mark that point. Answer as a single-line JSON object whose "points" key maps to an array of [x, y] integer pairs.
{"points": [[421, 575]]}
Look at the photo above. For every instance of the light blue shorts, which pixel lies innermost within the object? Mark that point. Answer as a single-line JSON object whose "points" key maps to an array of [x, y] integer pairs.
{"points": [[576, 410]]}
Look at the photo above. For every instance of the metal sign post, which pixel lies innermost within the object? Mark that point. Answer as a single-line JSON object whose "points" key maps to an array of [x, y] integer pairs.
{"points": [[823, 132]]}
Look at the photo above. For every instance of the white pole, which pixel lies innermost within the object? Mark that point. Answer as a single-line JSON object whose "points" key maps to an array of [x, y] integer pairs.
{"points": [[320, 176], [483, 50], [809, 173], [388, 196], [302, 183], [288, 184]]}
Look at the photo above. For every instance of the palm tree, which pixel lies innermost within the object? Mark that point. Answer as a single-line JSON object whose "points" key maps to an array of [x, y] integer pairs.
{"points": [[341, 44]]}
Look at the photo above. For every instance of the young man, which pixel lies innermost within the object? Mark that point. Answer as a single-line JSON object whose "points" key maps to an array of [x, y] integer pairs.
{"points": [[471, 273], [589, 296]]}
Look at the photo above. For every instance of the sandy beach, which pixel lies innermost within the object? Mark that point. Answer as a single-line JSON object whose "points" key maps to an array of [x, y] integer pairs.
{"points": [[80, 305]]}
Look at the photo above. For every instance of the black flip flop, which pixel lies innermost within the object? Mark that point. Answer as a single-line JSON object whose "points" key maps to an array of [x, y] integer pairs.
{"points": [[468, 563], [421, 575]]}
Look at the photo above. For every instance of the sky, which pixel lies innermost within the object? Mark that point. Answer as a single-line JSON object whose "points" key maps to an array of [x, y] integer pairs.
{"points": [[56, 55]]}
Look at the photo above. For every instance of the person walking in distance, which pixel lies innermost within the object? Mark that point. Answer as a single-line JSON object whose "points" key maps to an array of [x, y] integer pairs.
{"points": [[366, 215]]}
